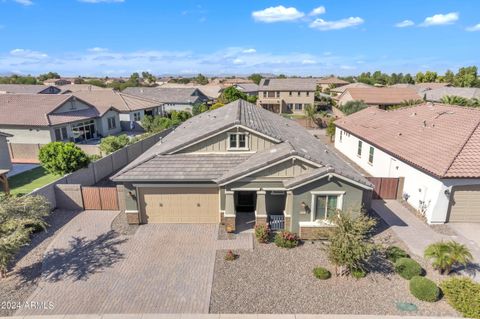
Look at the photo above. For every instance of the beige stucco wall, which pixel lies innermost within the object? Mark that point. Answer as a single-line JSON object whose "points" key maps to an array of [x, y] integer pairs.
{"points": [[285, 99], [5, 162], [67, 106], [102, 124], [28, 135]]}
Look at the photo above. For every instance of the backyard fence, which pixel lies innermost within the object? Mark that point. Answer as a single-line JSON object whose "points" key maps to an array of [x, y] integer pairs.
{"points": [[28, 153]]}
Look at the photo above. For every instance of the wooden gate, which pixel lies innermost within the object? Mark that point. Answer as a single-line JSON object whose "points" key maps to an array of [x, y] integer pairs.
{"points": [[384, 187], [100, 198]]}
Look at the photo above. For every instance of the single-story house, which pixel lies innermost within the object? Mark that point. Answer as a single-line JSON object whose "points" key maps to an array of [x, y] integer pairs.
{"points": [[57, 82], [5, 162], [250, 89], [436, 95], [331, 82], [28, 89], [179, 99], [73, 88], [45, 118], [132, 108], [433, 147], [339, 90], [422, 87], [245, 162], [379, 97]]}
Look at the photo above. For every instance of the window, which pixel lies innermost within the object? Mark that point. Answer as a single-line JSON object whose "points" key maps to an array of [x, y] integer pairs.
{"points": [[370, 155], [298, 106], [136, 116], [290, 93], [290, 106], [307, 93], [111, 123], [237, 141], [264, 94], [61, 134], [359, 148], [278, 94], [299, 93], [84, 131], [271, 94], [325, 206], [341, 135]]}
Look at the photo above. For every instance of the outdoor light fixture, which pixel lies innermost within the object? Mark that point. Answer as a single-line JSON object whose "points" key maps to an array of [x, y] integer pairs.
{"points": [[447, 192], [131, 194]]}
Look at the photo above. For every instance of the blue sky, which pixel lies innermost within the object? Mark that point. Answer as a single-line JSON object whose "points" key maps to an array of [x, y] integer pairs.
{"points": [[115, 37]]}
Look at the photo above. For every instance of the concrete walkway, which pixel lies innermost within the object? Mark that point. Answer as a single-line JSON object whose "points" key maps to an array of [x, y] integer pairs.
{"points": [[415, 233]]}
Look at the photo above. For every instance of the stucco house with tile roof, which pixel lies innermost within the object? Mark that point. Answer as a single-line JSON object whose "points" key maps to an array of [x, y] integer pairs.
{"points": [[380, 97], [244, 164], [436, 95], [28, 89], [433, 147]]}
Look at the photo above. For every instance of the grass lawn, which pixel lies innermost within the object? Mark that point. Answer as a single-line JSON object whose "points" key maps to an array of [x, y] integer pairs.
{"points": [[294, 116], [28, 181]]}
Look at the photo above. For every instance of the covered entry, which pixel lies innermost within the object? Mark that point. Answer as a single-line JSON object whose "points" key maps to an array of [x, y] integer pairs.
{"points": [[465, 204], [186, 205]]}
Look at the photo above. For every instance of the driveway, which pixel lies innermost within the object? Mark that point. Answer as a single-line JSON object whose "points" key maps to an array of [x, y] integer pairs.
{"points": [[160, 269]]}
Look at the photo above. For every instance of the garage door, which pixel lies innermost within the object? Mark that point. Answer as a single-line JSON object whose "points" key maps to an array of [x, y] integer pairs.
{"points": [[180, 205], [465, 206]]}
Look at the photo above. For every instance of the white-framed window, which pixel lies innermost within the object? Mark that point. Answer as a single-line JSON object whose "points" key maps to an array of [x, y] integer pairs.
{"points": [[290, 106], [278, 94], [290, 93], [112, 124], [136, 116], [61, 133], [264, 94], [370, 155], [325, 205], [307, 93], [340, 136], [238, 141], [359, 149], [298, 106]]}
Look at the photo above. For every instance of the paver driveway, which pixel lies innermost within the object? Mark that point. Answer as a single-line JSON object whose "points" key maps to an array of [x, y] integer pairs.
{"points": [[160, 269]]}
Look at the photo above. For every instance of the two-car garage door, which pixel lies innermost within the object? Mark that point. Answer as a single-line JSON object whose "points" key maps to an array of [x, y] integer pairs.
{"points": [[465, 204], [179, 205]]}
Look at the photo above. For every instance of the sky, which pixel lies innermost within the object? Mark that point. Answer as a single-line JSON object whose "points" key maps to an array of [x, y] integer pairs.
{"points": [[184, 37]]}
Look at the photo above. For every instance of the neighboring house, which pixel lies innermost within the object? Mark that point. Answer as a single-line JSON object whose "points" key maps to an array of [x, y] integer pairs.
{"points": [[286, 95], [28, 89], [422, 87], [5, 163], [433, 147], [132, 108], [379, 97], [57, 82], [436, 95], [251, 89], [331, 82], [178, 99], [44, 118], [212, 91], [73, 88], [241, 161], [339, 90]]}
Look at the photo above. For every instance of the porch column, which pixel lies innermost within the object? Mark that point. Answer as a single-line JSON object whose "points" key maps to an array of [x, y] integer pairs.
{"points": [[288, 210], [229, 216], [261, 209]]}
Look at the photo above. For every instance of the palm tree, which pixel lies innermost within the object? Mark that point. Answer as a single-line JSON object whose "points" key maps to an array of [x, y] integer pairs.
{"points": [[446, 255], [459, 253], [454, 100]]}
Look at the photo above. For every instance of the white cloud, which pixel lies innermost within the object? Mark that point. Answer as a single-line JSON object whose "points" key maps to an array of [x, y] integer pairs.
{"points": [[238, 61], [24, 2], [318, 11], [441, 19], [28, 54], [102, 1], [309, 61], [323, 25], [405, 24], [277, 14], [251, 50], [97, 49], [474, 28]]}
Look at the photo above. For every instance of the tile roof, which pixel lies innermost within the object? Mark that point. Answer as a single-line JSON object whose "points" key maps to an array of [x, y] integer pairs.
{"points": [[331, 80], [23, 88], [73, 116], [383, 96], [342, 88], [167, 95], [80, 87], [248, 87], [292, 139], [436, 95], [103, 100], [443, 140], [289, 84]]}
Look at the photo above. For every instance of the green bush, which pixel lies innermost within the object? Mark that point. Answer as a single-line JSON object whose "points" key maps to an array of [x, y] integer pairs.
{"points": [[463, 294], [393, 253], [408, 268], [286, 239], [321, 273], [112, 143], [62, 158], [424, 289], [262, 233], [358, 273], [446, 255], [351, 107]]}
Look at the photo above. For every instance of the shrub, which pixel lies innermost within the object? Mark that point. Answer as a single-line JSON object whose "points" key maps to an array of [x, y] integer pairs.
{"points": [[358, 273], [445, 255], [463, 294], [112, 143], [321, 273], [408, 268], [286, 239], [262, 233], [351, 107], [230, 256], [216, 106], [393, 253], [62, 158], [424, 289]]}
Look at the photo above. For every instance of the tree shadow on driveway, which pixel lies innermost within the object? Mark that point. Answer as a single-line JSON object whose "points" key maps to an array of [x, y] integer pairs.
{"points": [[83, 258]]}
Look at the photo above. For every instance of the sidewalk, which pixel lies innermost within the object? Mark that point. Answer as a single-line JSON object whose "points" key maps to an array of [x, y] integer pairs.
{"points": [[414, 232]]}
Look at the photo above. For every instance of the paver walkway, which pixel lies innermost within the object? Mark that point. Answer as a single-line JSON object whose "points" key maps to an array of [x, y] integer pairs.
{"points": [[415, 233], [160, 269]]}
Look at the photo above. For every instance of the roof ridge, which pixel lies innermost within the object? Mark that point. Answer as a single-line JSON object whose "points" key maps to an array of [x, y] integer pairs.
{"points": [[462, 147], [123, 99]]}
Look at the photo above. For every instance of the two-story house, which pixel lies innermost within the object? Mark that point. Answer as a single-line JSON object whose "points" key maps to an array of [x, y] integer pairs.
{"points": [[241, 163], [286, 95]]}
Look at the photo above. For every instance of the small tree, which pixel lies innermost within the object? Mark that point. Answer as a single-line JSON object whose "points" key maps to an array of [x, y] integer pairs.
{"points": [[111, 144], [62, 158], [231, 94], [216, 106], [19, 217], [445, 255], [199, 108], [350, 242], [331, 128], [351, 107]]}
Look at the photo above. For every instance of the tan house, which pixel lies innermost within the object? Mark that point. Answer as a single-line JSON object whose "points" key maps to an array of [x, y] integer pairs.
{"points": [[339, 90], [379, 97], [286, 95], [57, 82], [330, 82]]}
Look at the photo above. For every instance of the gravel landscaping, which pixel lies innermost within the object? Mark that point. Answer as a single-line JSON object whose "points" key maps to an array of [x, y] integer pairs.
{"points": [[275, 280]]}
